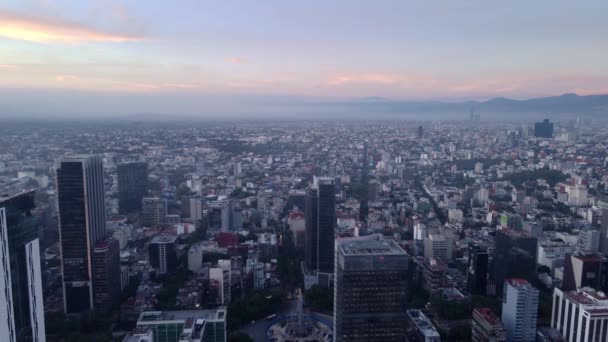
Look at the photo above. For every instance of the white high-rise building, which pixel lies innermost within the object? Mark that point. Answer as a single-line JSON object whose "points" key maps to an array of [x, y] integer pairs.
{"points": [[519, 310], [589, 241], [438, 246], [580, 316], [221, 277]]}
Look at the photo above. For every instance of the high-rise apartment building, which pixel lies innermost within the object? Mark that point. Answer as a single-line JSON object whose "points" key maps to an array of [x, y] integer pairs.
{"points": [[106, 274], [519, 310], [162, 253], [369, 290], [154, 211], [232, 216], [192, 208], [439, 246], [132, 186], [80, 200], [219, 277], [21, 302], [580, 316], [588, 241]]}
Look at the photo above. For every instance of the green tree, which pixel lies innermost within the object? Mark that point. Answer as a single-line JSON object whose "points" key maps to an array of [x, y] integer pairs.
{"points": [[319, 298], [239, 337]]}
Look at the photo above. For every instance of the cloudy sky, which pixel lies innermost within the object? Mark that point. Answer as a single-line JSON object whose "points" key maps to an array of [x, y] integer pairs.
{"points": [[403, 49]]}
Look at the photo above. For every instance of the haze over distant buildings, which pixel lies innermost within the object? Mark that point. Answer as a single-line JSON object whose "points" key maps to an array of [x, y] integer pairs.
{"points": [[85, 59]]}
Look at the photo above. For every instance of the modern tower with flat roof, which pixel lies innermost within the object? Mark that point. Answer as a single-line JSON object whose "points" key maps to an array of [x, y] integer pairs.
{"points": [[370, 290], [132, 186], [80, 200], [519, 310], [320, 221]]}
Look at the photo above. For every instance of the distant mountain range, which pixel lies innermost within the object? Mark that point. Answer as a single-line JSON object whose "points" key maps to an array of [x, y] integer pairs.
{"points": [[567, 105], [48, 105]]}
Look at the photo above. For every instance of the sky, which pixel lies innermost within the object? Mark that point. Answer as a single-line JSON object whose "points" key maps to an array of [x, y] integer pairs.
{"points": [[231, 50]]}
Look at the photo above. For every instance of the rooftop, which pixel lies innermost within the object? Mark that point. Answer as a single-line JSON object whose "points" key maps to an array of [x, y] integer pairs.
{"points": [[15, 194], [164, 238], [423, 323], [181, 315], [487, 315], [588, 296], [518, 283], [371, 247]]}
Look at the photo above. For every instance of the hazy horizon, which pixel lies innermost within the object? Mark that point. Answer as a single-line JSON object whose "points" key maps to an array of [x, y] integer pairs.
{"points": [[72, 58]]}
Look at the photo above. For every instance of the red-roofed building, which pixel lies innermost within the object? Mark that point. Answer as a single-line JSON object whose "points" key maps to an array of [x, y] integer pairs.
{"points": [[225, 239], [486, 327]]}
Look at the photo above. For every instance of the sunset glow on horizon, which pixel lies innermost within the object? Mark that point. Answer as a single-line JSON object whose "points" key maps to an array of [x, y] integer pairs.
{"points": [[396, 49]]}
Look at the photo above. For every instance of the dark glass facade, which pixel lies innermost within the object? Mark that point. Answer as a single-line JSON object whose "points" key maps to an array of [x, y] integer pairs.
{"points": [[370, 294], [132, 186], [543, 129], [311, 209], [106, 274], [80, 199], [514, 257], [327, 223], [477, 273], [22, 228], [364, 205]]}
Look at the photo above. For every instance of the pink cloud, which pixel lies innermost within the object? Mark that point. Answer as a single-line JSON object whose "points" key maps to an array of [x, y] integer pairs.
{"points": [[361, 78], [38, 30], [236, 60]]}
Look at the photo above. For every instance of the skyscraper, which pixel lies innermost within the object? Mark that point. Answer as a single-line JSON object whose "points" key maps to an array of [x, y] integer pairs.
{"points": [[162, 253], [543, 129], [326, 225], [153, 211], [364, 206], [106, 274], [603, 204], [519, 310], [311, 213], [370, 290], [132, 186], [21, 302], [80, 199], [320, 213], [477, 272], [514, 257]]}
